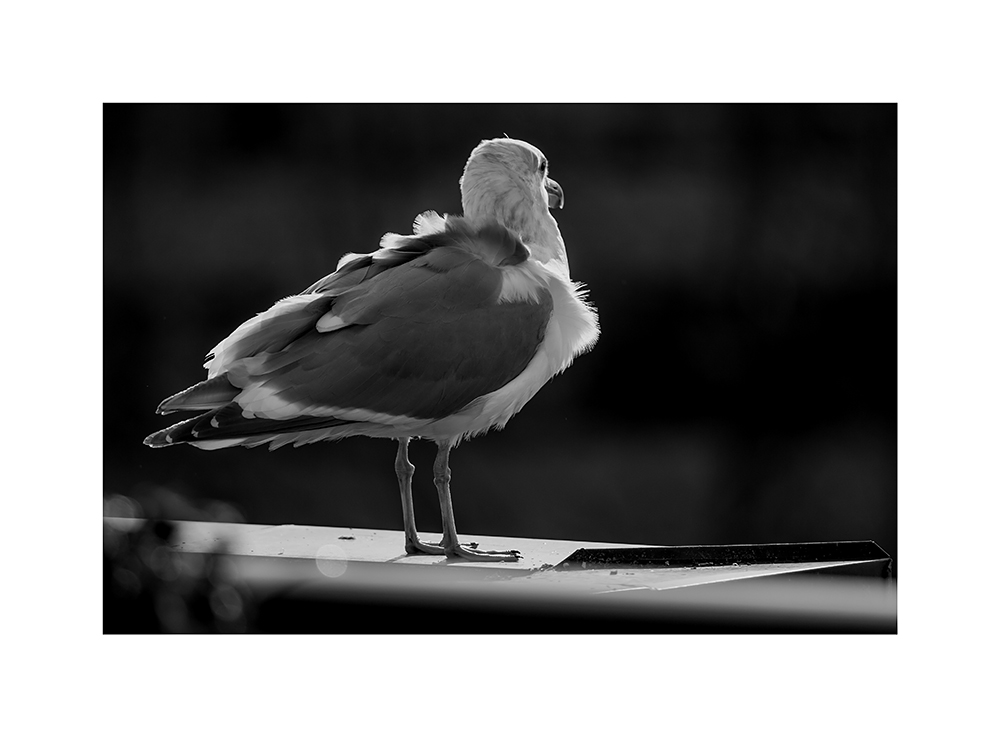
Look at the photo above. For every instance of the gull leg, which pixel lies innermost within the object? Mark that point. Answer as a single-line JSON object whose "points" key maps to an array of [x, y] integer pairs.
{"points": [[404, 472], [442, 481]]}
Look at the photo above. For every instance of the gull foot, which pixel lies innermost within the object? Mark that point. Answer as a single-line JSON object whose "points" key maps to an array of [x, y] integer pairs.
{"points": [[416, 547]]}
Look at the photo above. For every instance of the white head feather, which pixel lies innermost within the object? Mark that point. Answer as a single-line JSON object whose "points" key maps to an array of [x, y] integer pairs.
{"points": [[507, 180]]}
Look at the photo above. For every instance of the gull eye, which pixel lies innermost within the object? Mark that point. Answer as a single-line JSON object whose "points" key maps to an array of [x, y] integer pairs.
{"points": [[543, 166]]}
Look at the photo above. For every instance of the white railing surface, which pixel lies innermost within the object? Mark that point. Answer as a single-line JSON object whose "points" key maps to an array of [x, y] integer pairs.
{"points": [[189, 576]]}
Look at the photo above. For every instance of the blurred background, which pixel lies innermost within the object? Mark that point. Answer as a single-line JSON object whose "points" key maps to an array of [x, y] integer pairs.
{"points": [[742, 259]]}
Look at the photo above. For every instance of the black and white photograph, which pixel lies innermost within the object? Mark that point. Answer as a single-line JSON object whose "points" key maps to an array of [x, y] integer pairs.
{"points": [[535, 368], [497, 368]]}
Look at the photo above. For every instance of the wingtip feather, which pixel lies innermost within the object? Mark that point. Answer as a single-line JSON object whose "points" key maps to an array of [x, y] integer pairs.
{"points": [[209, 394], [160, 439]]}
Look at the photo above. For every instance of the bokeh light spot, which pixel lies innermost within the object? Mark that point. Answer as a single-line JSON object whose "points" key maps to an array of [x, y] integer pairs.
{"points": [[331, 560]]}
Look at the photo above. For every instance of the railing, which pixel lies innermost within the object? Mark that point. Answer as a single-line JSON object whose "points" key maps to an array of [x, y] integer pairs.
{"points": [[181, 576]]}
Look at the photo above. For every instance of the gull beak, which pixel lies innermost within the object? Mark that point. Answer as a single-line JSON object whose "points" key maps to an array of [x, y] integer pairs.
{"points": [[555, 193]]}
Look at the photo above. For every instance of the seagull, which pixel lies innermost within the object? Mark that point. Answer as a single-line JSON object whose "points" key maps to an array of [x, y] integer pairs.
{"points": [[440, 335]]}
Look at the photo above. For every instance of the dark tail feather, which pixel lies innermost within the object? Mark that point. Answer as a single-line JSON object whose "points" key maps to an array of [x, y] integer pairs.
{"points": [[209, 394], [171, 435], [228, 422]]}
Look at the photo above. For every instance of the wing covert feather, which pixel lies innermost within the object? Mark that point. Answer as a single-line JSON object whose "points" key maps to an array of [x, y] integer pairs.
{"points": [[424, 339]]}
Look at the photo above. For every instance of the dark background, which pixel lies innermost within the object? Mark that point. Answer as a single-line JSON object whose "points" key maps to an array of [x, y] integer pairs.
{"points": [[742, 259]]}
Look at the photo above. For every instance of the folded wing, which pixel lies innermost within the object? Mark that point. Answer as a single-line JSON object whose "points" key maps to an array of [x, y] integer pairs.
{"points": [[412, 332]]}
